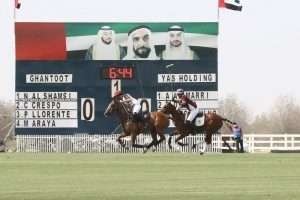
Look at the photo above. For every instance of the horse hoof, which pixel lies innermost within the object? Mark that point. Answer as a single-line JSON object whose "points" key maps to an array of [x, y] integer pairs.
{"points": [[201, 153], [145, 150]]}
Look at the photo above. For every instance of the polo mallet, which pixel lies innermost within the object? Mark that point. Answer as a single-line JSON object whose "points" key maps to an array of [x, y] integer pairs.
{"points": [[168, 67]]}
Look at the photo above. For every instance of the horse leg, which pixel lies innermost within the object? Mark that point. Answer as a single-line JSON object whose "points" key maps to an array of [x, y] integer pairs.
{"points": [[194, 146], [121, 142], [153, 142], [225, 143], [190, 130], [181, 136], [133, 140], [182, 144], [207, 141], [161, 136], [170, 138]]}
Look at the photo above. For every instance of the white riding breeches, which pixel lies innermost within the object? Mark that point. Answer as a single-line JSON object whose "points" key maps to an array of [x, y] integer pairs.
{"points": [[193, 114], [136, 107]]}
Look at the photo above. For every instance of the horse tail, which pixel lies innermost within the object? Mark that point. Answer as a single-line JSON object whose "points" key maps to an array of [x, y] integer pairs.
{"points": [[227, 120]]}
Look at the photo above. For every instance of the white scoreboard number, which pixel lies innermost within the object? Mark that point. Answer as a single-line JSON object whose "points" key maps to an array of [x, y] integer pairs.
{"points": [[88, 104], [115, 86]]}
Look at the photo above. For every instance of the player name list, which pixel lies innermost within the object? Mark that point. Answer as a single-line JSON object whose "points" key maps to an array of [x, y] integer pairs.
{"points": [[207, 100], [46, 110]]}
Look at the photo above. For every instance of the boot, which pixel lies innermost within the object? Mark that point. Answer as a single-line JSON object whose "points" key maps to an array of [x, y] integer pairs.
{"points": [[189, 125], [200, 114], [135, 118]]}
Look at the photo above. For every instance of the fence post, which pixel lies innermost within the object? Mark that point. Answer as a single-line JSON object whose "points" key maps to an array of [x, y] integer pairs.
{"points": [[17, 138], [285, 140], [252, 145], [271, 142]]}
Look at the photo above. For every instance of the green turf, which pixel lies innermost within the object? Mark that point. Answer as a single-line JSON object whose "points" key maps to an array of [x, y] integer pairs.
{"points": [[151, 176]]}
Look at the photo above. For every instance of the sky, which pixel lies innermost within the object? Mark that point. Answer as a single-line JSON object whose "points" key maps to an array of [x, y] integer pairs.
{"points": [[258, 52]]}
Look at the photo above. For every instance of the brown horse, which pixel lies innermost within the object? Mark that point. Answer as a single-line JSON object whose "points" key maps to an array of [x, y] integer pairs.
{"points": [[212, 124], [157, 122]]}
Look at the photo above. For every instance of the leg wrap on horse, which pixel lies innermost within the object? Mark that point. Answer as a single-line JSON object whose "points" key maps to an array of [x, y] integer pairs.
{"points": [[200, 114]]}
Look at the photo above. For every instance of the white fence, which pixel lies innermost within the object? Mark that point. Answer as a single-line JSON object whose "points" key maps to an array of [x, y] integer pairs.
{"points": [[84, 143], [267, 142]]}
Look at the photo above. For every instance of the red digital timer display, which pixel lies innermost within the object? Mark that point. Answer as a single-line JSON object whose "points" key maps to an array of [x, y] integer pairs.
{"points": [[117, 73]]}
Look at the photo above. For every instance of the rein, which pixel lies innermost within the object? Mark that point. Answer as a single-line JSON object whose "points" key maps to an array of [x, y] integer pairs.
{"points": [[176, 115], [124, 108]]}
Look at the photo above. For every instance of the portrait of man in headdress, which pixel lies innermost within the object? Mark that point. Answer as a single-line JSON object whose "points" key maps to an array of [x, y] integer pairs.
{"points": [[140, 45], [105, 47], [176, 48]]}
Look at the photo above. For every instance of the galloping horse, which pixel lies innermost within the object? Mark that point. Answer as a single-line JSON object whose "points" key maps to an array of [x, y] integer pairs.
{"points": [[212, 124], [157, 122]]}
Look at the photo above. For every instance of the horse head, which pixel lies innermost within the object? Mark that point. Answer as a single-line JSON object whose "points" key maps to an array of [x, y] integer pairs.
{"points": [[168, 108], [110, 109], [115, 106]]}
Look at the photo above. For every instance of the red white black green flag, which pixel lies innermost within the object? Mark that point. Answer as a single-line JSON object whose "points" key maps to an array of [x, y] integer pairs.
{"points": [[231, 4]]}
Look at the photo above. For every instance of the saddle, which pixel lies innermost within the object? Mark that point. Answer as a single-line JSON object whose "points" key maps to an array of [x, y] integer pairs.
{"points": [[142, 117], [199, 120]]}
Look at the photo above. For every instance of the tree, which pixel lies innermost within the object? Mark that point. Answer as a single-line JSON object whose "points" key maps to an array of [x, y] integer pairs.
{"points": [[6, 117], [234, 110], [261, 124], [285, 115]]}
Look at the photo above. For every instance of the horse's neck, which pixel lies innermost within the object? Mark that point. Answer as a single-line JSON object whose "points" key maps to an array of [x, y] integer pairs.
{"points": [[123, 123], [123, 119], [177, 117], [123, 115]]}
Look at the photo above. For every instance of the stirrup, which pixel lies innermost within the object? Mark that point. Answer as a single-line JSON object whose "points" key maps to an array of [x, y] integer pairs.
{"points": [[201, 114]]}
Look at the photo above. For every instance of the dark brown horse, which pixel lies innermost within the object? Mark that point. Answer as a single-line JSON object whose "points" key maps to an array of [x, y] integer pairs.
{"points": [[212, 124], [157, 122]]}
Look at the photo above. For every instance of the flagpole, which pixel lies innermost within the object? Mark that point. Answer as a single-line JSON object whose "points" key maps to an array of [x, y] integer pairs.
{"points": [[16, 6]]}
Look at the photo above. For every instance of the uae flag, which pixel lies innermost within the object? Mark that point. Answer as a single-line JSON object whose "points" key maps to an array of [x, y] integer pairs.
{"points": [[17, 4], [231, 4]]}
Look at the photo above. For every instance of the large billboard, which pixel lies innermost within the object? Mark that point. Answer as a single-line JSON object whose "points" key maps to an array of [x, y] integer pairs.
{"points": [[67, 72]]}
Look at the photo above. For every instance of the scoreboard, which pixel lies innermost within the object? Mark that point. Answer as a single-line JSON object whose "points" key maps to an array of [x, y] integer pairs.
{"points": [[66, 97]]}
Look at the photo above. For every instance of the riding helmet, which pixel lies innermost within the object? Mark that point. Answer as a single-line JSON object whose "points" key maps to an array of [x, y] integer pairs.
{"points": [[179, 91], [117, 93]]}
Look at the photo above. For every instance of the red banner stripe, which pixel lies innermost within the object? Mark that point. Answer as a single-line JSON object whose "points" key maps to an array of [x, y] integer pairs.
{"points": [[40, 41]]}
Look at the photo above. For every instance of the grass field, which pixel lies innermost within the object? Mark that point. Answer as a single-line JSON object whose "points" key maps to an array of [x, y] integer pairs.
{"points": [[151, 176]]}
